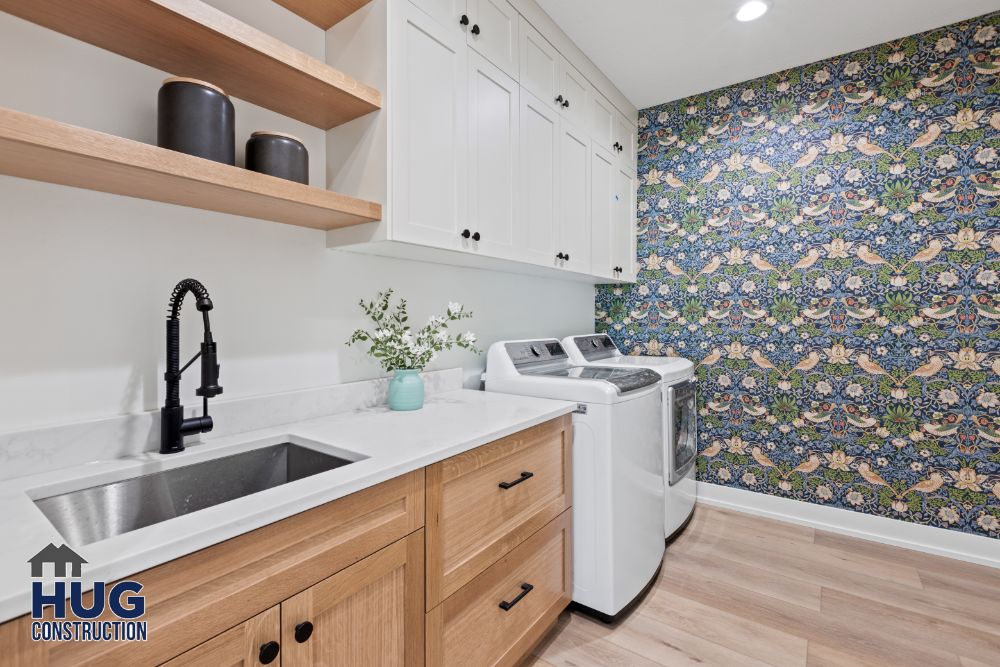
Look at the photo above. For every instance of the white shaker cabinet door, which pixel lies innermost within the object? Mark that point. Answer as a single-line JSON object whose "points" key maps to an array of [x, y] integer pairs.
{"points": [[575, 93], [537, 222], [573, 237], [493, 159], [430, 133], [493, 33], [448, 13], [539, 64], [603, 123], [625, 135], [604, 207], [623, 236]]}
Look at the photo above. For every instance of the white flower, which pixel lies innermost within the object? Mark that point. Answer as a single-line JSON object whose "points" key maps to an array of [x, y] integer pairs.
{"points": [[948, 278], [725, 475], [822, 179], [988, 400], [986, 155], [723, 287], [470, 337], [944, 45], [821, 76], [855, 498], [852, 68], [946, 161], [749, 382], [748, 191], [987, 277], [823, 388], [454, 308], [747, 95], [837, 143], [988, 522], [723, 194], [948, 396], [724, 381], [853, 175], [823, 283], [853, 283], [855, 390], [985, 34], [748, 286], [896, 57], [723, 101], [824, 492]]}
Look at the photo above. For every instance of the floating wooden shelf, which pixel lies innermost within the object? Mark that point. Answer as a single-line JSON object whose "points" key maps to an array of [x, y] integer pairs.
{"points": [[46, 150], [323, 13], [191, 38]]}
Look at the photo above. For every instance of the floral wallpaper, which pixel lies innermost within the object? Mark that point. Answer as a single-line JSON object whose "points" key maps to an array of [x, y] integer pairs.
{"points": [[824, 243]]}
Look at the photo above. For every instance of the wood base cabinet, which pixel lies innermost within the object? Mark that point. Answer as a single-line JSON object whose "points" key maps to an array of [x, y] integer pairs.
{"points": [[348, 584]]}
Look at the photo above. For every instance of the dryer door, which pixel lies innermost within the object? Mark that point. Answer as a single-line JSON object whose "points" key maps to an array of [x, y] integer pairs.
{"points": [[682, 428]]}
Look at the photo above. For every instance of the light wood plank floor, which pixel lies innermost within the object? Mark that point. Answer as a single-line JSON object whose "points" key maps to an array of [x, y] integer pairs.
{"points": [[740, 590]]}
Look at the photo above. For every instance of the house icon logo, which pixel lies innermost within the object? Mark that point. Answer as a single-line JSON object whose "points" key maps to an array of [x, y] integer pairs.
{"points": [[60, 558]]}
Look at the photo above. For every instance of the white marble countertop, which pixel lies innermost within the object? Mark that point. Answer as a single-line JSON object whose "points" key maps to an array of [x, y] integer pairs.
{"points": [[388, 443]]}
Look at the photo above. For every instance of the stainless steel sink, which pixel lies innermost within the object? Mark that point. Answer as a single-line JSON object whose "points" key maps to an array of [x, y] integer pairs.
{"points": [[99, 512]]}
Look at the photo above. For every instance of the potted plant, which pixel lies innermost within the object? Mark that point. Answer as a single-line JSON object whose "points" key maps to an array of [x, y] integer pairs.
{"points": [[404, 352]]}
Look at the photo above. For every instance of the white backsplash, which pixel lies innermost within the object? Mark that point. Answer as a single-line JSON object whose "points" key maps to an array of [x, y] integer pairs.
{"points": [[34, 451]]}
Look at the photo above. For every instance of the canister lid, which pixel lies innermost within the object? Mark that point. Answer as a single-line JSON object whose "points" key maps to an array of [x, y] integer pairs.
{"points": [[273, 133], [197, 82]]}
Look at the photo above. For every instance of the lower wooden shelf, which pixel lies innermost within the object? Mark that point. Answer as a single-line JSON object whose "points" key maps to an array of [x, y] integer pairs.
{"points": [[46, 150]]}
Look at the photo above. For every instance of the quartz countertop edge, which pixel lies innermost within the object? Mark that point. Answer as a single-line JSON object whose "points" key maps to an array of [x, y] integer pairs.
{"points": [[388, 444]]}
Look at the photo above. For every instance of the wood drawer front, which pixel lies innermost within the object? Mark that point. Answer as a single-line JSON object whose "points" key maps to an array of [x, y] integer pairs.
{"points": [[368, 615], [197, 597], [472, 521], [470, 627]]}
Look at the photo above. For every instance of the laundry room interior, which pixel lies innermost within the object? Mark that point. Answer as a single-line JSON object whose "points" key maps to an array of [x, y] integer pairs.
{"points": [[551, 333]]}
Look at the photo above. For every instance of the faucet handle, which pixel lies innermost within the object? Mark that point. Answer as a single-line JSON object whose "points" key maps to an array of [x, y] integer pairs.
{"points": [[209, 371]]}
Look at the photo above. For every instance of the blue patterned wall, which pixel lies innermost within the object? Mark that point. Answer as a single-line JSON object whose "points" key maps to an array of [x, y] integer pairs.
{"points": [[824, 242]]}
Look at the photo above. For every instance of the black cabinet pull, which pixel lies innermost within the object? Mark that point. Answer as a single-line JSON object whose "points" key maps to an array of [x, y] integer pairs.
{"points": [[560, 256], [475, 29], [566, 256], [466, 233], [464, 20], [617, 146], [268, 652], [566, 103], [476, 236], [559, 100], [524, 476], [303, 631], [525, 589]]}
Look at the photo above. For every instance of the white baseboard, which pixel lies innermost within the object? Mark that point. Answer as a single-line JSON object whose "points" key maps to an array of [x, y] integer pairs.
{"points": [[929, 539]]}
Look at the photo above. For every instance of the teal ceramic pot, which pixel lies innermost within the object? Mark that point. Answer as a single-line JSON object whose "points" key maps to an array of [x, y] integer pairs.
{"points": [[406, 390]]}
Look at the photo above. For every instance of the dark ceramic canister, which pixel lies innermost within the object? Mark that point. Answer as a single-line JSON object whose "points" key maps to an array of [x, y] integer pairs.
{"points": [[196, 118], [278, 154]]}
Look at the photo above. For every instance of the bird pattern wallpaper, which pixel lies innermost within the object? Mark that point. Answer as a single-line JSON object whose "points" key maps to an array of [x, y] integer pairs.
{"points": [[824, 243]]}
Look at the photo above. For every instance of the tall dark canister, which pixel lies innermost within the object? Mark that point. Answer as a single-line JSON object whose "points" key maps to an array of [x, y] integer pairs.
{"points": [[278, 154], [196, 118]]}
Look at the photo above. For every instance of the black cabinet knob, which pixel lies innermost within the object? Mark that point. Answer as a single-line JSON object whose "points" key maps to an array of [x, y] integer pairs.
{"points": [[566, 256], [475, 29], [464, 20], [559, 100], [466, 233], [303, 631], [566, 103], [268, 652], [560, 256], [476, 236]]}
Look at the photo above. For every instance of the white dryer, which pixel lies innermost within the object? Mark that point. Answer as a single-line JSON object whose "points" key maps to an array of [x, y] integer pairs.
{"points": [[617, 465], [680, 415]]}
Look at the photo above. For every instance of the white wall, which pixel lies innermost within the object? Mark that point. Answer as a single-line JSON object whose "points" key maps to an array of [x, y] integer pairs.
{"points": [[86, 276]]}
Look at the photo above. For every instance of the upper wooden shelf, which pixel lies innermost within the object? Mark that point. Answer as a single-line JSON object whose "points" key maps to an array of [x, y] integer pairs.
{"points": [[45, 150], [191, 38], [323, 13]]}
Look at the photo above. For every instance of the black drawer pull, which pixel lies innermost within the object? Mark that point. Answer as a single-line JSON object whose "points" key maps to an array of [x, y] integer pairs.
{"points": [[524, 476], [525, 589], [268, 652], [303, 631]]}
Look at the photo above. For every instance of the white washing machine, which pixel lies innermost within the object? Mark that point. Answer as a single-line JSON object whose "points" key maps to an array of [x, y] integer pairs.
{"points": [[680, 415], [617, 465]]}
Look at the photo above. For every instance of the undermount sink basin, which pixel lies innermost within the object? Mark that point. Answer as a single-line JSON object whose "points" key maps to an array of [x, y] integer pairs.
{"points": [[99, 512]]}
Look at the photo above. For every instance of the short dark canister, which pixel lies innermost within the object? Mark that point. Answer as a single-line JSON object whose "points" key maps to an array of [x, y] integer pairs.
{"points": [[278, 154], [196, 118]]}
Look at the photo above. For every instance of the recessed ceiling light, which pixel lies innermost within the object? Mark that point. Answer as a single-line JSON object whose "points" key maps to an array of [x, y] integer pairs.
{"points": [[751, 10]]}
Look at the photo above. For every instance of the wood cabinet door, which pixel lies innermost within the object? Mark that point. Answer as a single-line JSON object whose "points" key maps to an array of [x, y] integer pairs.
{"points": [[539, 64], [370, 614], [603, 211], [248, 644], [493, 33], [535, 226], [573, 236], [493, 163], [430, 132]]}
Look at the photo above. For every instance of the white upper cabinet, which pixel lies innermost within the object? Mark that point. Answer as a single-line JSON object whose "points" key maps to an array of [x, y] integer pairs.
{"points": [[575, 93], [625, 138], [448, 13], [493, 33], [603, 122], [539, 64], [573, 231], [623, 229], [603, 210], [494, 111], [430, 129], [535, 228]]}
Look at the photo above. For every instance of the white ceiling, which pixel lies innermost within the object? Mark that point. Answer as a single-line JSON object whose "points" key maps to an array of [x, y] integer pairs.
{"points": [[661, 50]]}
